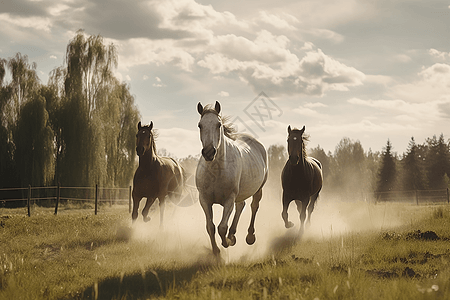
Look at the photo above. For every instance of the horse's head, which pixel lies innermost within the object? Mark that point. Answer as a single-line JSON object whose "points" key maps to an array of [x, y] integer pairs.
{"points": [[211, 130], [295, 144], [144, 139]]}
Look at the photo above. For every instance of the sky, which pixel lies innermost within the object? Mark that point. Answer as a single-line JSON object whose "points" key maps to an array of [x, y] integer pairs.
{"points": [[366, 70]]}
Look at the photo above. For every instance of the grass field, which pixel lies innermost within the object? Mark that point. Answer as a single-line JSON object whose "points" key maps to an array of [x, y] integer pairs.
{"points": [[351, 251]]}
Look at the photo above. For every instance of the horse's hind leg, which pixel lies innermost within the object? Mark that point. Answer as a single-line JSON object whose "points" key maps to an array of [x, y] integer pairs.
{"points": [[162, 206], [239, 208], [251, 238], [311, 205], [301, 207], [148, 204]]}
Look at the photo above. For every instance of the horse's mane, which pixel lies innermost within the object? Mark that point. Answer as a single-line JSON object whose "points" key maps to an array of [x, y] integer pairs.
{"points": [[228, 128], [305, 139], [153, 136]]}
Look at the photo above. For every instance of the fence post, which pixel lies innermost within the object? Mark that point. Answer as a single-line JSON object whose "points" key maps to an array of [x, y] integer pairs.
{"points": [[57, 198], [129, 199], [29, 200], [96, 198], [448, 196], [417, 198]]}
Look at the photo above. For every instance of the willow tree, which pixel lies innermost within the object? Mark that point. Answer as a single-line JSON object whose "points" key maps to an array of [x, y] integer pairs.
{"points": [[95, 117], [88, 74], [33, 138]]}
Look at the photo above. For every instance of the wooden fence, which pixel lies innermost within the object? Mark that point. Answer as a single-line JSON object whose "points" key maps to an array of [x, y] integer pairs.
{"points": [[54, 195], [417, 196]]}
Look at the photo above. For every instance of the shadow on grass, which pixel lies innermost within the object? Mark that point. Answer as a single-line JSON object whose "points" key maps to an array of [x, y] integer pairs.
{"points": [[147, 283], [141, 285]]}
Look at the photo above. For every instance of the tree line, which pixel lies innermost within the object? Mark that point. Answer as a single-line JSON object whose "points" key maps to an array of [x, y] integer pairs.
{"points": [[77, 130]]}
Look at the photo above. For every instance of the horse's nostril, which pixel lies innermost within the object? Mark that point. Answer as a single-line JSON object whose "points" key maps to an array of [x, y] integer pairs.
{"points": [[209, 153]]}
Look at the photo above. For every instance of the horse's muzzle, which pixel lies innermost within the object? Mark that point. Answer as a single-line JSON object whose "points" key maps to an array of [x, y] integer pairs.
{"points": [[293, 160], [139, 150], [209, 152]]}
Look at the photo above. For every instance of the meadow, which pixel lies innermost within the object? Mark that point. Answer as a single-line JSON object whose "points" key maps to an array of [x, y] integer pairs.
{"points": [[352, 250]]}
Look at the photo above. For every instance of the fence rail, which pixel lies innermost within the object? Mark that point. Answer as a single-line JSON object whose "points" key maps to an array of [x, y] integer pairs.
{"points": [[414, 196], [57, 194]]}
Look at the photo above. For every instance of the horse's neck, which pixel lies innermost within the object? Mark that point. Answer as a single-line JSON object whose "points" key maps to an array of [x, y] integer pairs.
{"points": [[222, 150], [148, 159]]}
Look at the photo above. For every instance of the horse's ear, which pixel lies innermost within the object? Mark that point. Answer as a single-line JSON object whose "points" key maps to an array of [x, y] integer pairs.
{"points": [[289, 129], [151, 125], [199, 108], [303, 129], [139, 125], [217, 107]]}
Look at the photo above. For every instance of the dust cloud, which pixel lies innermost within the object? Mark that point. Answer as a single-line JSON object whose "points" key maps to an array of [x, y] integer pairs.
{"points": [[184, 234]]}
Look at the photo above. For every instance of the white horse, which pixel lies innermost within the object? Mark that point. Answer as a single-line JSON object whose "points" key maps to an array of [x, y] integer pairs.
{"points": [[232, 168]]}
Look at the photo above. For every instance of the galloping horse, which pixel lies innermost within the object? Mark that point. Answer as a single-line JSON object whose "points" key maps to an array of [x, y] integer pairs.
{"points": [[156, 176], [301, 178], [232, 168]]}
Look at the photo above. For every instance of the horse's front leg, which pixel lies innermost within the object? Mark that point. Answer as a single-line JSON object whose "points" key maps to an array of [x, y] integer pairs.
{"points": [[311, 205], [237, 214], [251, 238], [147, 206], [223, 225], [301, 207], [136, 200], [284, 214], [162, 206], [210, 227]]}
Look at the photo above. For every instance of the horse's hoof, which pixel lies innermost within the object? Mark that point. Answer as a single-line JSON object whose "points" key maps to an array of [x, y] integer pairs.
{"points": [[232, 240], [251, 238], [146, 219], [225, 243], [289, 224]]}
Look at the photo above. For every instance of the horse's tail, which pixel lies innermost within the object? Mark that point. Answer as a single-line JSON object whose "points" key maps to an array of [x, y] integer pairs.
{"points": [[186, 196]]}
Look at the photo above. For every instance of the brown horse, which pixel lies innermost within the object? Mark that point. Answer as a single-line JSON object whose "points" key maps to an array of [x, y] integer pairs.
{"points": [[301, 178], [156, 176]]}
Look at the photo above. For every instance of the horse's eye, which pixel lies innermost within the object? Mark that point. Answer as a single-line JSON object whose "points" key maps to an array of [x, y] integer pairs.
{"points": [[218, 125]]}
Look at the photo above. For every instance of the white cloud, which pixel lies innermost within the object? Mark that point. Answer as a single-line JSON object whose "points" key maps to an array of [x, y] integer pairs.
{"points": [[315, 104], [432, 84], [53, 57], [145, 77], [280, 22], [439, 54], [34, 22], [405, 111], [223, 94]]}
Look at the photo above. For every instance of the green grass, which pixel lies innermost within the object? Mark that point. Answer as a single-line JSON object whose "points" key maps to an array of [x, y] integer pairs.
{"points": [[82, 256]]}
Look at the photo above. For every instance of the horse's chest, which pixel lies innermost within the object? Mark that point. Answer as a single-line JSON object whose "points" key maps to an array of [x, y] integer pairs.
{"points": [[147, 185], [296, 181]]}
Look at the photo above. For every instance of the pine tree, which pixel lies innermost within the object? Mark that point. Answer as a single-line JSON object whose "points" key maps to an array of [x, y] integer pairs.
{"points": [[438, 162], [387, 172], [412, 178]]}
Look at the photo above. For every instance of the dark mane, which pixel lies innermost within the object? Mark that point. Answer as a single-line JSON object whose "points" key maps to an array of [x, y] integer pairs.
{"points": [[153, 137], [305, 139], [228, 128]]}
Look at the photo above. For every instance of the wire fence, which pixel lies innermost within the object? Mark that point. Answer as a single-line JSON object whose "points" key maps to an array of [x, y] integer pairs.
{"points": [[415, 196], [53, 196]]}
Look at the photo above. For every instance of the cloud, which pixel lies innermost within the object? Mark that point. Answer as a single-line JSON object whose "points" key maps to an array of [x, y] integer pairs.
{"points": [[405, 111], [280, 22], [158, 83], [268, 64], [32, 22], [223, 94], [431, 84], [439, 54]]}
